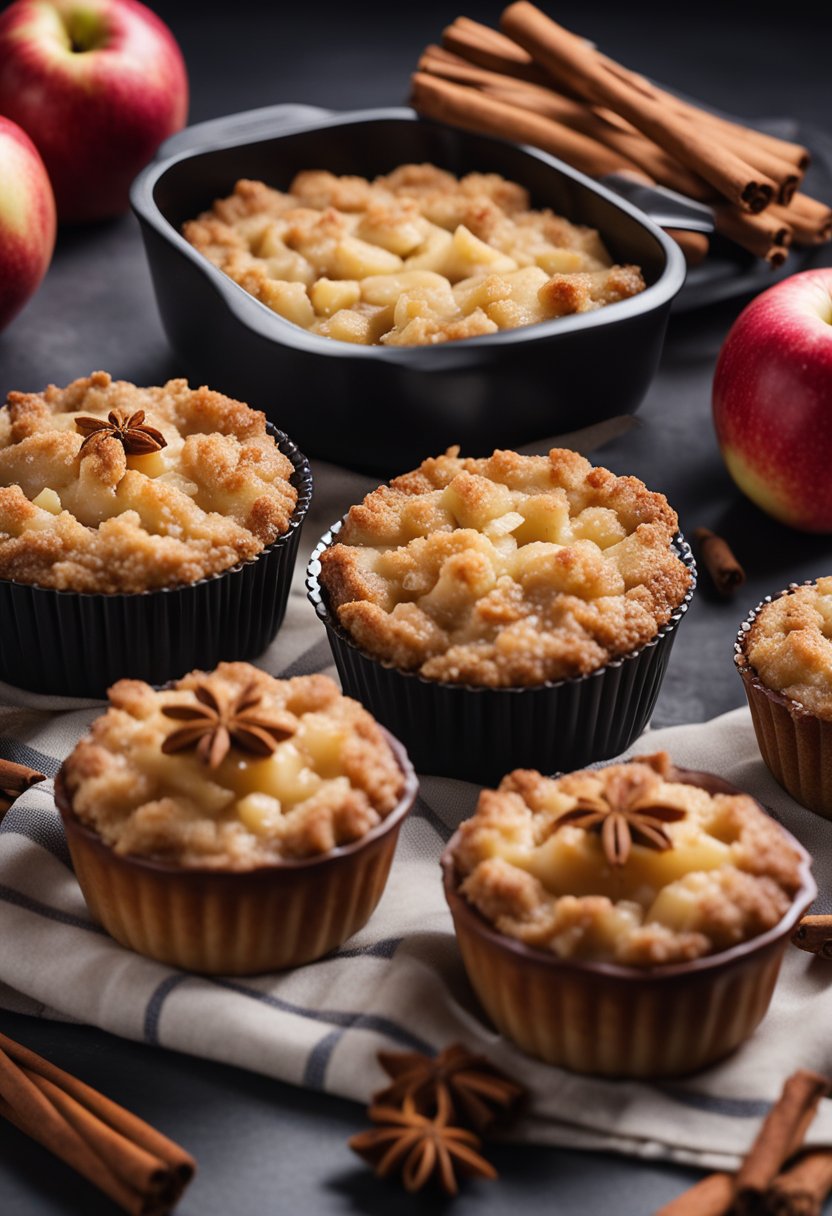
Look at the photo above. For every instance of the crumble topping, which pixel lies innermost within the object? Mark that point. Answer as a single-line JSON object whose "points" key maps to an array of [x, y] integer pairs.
{"points": [[415, 257], [328, 783], [730, 874], [504, 571], [789, 646], [104, 520]]}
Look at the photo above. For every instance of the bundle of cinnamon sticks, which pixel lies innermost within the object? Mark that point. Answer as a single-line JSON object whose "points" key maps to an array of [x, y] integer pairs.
{"points": [[132, 1163], [776, 1178], [537, 83], [14, 780]]}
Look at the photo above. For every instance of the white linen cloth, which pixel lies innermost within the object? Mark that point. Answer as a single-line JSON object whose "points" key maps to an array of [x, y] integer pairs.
{"points": [[399, 983]]}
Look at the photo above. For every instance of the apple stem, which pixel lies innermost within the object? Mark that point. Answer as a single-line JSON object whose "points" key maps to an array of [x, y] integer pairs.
{"points": [[84, 30]]}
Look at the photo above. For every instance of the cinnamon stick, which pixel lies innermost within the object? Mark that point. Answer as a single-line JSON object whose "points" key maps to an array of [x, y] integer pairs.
{"points": [[516, 62], [136, 1166], [802, 1189], [780, 1136], [814, 933], [547, 103], [15, 778], [567, 58], [785, 150], [712, 1196], [726, 573], [507, 58], [694, 245], [473, 111], [809, 219]]}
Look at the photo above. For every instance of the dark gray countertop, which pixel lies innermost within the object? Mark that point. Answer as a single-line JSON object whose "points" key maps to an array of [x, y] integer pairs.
{"points": [[265, 1147]]}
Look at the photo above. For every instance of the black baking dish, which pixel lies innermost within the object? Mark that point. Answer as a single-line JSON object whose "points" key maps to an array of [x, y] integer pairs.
{"points": [[382, 409]]}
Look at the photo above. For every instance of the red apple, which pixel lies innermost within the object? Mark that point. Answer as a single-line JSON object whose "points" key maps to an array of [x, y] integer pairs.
{"points": [[27, 220], [97, 84], [772, 401]]}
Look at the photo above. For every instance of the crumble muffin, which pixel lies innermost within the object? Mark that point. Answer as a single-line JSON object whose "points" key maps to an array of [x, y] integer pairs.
{"points": [[789, 645], [783, 654], [233, 770], [505, 571], [106, 487], [625, 864], [415, 257]]}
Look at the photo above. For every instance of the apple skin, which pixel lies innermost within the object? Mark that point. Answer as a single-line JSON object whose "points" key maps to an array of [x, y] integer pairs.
{"points": [[772, 401], [27, 220], [96, 115]]}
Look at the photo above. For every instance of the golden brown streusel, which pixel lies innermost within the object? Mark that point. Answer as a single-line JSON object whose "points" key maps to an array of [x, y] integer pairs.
{"points": [[789, 646], [327, 785], [101, 520], [730, 875], [415, 257], [505, 571]]}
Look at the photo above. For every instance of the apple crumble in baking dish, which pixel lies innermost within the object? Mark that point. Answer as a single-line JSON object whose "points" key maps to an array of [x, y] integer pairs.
{"points": [[413, 258]]}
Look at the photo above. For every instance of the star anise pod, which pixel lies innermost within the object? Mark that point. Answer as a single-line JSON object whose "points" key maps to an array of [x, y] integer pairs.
{"points": [[129, 429], [477, 1092], [217, 719], [625, 811], [420, 1148]]}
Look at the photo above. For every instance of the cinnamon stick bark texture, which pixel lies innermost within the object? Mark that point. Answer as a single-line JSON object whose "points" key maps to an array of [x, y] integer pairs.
{"points": [[726, 573], [451, 103], [18, 777], [814, 933], [14, 779], [568, 59], [544, 72], [137, 1167], [802, 1189], [712, 1196], [780, 1136]]}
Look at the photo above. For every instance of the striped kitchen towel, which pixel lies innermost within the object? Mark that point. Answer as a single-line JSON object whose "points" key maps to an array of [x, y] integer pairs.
{"points": [[399, 983]]}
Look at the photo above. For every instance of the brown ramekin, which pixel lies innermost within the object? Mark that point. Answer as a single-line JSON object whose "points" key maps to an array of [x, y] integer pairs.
{"points": [[242, 922], [795, 744], [615, 1021]]}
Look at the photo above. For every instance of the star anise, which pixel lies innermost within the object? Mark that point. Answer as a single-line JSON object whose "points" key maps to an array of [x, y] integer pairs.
{"points": [[218, 719], [477, 1092], [625, 811], [129, 429], [421, 1148]]}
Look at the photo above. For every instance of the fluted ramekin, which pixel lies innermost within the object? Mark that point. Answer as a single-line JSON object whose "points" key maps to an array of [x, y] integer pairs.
{"points": [[77, 644], [479, 733], [795, 744], [241, 922], [631, 1022]]}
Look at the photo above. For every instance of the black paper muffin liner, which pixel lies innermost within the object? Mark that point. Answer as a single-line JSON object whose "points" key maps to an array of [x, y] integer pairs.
{"points": [[68, 643], [480, 734]]}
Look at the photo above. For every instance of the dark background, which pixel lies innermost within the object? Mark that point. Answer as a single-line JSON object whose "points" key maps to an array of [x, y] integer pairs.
{"points": [[264, 1147]]}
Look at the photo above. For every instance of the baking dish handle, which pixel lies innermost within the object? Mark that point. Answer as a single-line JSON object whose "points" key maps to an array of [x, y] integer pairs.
{"points": [[664, 207], [246, 127]]}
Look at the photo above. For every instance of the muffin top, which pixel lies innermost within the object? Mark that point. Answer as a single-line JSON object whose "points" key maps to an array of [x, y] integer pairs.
{"points": [[624, 864], [232, 770], [789, 646], [106, 487], [413, 258], [505, 571]]}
